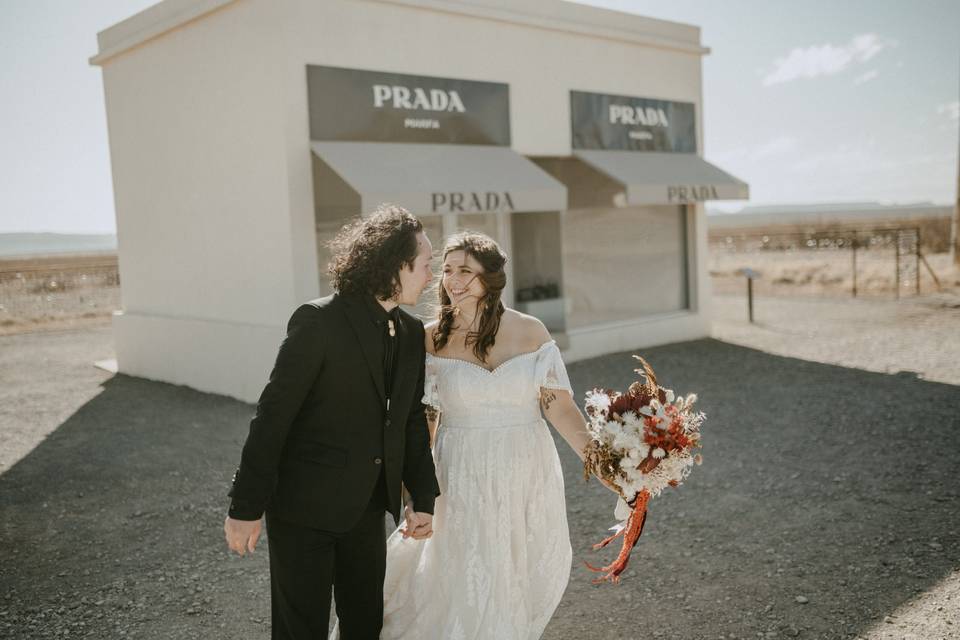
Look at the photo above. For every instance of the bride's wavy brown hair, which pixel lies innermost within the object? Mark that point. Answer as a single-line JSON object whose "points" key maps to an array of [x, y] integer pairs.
{"points": [[490, 309]]}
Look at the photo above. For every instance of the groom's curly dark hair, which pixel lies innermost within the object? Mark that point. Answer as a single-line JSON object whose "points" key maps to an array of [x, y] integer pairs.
{"points": [[368, 253]]}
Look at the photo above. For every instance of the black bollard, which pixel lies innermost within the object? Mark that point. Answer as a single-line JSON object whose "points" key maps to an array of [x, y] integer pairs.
{"points": [[750, 274]]}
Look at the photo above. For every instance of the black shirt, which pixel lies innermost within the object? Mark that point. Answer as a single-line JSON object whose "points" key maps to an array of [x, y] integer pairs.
{"points": [[383, 319]]}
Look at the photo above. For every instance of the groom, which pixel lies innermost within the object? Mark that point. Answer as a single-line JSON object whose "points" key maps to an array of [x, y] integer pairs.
{"points": [[338, 428]]}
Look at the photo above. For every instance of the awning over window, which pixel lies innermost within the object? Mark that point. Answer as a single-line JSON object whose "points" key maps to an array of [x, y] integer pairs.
{"points": [[666, 178], [621, 178], [436, 178]]}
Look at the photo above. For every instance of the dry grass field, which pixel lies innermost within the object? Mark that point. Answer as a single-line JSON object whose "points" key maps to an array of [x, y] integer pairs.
{"points": [[818, 259], [57, 292], [829, 273]]}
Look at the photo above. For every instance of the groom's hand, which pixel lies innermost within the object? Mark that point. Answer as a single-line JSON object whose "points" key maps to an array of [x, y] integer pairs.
{"points": [[242, 535], [419, 525]]}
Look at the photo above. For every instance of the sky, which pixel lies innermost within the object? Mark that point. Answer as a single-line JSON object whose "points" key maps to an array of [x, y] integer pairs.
{"points": [[808, 101]]}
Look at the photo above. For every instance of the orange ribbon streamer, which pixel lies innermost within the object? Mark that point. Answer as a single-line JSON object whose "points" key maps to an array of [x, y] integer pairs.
{"points": [[631, 534]]}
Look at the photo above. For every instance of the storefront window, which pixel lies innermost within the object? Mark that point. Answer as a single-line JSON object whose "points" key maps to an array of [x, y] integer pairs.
{"points": [[624, 263], [538, 267]]}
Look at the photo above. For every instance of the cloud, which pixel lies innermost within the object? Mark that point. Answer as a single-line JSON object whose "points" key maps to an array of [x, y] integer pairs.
{"points": [[826, 59], [950, 109], [866, 77]]}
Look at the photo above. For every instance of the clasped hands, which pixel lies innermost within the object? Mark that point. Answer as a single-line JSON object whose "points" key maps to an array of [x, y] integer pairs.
{"points": [[242, 535], [419, 526]]}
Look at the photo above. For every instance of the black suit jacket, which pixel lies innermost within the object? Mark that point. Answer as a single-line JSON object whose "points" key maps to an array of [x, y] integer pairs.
{"points": [[322, 432]]}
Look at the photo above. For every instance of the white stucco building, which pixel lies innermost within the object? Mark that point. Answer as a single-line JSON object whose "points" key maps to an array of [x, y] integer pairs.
{"points": [[243, 133]]}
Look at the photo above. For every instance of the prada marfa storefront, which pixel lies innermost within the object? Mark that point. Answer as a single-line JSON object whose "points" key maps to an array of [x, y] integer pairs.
{"points": [[245, 133], [590, 235]]}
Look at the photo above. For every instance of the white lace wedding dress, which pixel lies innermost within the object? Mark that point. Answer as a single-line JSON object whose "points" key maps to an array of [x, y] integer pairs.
{"points": [[499, 559]]}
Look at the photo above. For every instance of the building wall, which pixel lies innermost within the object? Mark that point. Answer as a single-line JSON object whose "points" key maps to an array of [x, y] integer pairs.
{"points": [[206, 241]]}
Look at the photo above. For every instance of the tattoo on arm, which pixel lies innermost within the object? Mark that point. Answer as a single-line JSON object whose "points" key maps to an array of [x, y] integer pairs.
{"points": [[431, 414], [546, 397]]}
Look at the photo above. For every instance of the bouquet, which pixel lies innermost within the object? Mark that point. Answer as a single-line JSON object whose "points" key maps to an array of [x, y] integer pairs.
{"points": [[641, 442]]}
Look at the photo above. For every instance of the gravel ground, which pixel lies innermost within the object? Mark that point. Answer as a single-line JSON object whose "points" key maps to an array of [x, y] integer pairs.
{"points": [[805, 520], [917, 334]]}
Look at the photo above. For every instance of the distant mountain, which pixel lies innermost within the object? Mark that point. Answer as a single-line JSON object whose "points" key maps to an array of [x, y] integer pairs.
{"points": [[40, 244], [838, 213]]}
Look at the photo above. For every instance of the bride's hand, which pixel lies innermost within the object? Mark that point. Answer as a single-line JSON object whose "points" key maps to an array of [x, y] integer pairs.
{"points": [[608, 485], [419, 525]]}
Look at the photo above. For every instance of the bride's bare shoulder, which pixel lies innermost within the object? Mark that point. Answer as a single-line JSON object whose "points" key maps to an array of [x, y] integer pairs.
{"points": [[528, 331]]}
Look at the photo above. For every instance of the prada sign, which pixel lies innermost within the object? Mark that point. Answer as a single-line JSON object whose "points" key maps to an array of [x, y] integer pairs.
{"points": [[375, 106], [610, 122], [471, 202], [681, 194], [686, 194]]}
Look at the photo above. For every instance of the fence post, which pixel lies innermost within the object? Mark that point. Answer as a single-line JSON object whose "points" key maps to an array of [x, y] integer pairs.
{"points": [[750, 274], [854, 264], [917, 258], [896, 247]]}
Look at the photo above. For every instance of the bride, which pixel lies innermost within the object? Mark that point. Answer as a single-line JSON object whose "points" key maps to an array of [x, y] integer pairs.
{"points": [[499, 560]]}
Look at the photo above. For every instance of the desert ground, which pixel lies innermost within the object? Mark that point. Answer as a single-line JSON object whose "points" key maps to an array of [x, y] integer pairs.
{"points": [[827, 505]]}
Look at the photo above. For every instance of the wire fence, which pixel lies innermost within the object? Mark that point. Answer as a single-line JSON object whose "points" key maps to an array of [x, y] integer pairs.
{"points": [[61, 288], [839, 261]]}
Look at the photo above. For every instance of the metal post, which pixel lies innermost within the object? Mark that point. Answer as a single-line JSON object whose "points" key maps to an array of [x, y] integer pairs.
{"points": [[917, 231], [854, 264], [750, 274], [896, 247]]}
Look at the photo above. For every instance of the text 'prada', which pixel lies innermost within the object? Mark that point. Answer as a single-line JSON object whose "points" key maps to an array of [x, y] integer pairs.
{"points": [[400, 97]]}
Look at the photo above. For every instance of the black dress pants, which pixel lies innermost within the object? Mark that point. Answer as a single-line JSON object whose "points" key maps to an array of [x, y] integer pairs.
{"points": [[307, 564]]}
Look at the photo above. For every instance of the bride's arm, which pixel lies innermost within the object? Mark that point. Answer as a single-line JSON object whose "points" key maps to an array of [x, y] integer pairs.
{"points": [[432, 413], [433, 421], [564, 414]]}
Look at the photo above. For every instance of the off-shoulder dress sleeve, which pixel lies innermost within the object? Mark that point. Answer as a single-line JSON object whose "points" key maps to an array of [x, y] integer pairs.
{"points": [[550, 370]]}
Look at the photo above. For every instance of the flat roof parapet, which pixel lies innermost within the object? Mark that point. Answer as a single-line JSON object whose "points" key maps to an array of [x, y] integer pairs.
{"points": [[556, 15]]}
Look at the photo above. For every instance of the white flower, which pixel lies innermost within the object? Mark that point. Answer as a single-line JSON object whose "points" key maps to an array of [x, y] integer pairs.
{"points": [[598, 401], [626, 440], [659, 453], [632, 420], [669, 395], [632, 486], [639, 452], [642, 451]]}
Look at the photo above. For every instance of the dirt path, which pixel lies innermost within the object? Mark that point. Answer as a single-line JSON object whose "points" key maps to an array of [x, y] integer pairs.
{"points": [[806, 520]]}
